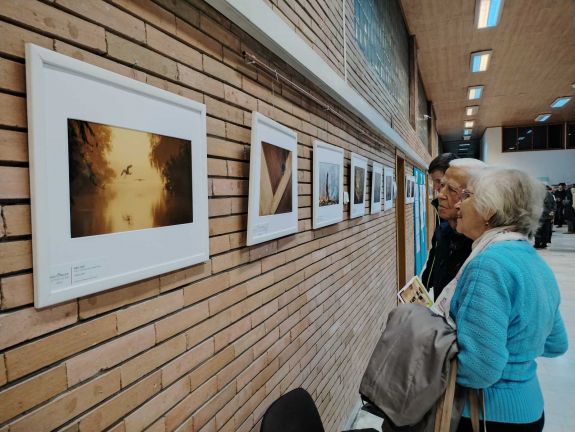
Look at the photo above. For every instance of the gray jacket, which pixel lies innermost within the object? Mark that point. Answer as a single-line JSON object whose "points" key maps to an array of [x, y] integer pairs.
{"points": [[409, 368]]}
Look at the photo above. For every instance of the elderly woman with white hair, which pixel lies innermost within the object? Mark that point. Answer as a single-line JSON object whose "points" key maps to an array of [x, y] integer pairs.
{"points": [[506, 301]]}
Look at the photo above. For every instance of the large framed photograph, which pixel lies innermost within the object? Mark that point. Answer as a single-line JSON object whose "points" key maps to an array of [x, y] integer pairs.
{"points": [[118, 175], [387, 188], [272, 203], [357, 182], [409, 189], [376, 181], [327, 184]]}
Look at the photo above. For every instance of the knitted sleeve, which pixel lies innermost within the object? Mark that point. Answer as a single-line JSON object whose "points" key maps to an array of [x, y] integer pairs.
{"points": [[482, 322], [556, 343]]}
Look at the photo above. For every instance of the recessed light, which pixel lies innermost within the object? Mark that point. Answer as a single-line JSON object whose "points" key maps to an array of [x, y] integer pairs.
{"points": [[468, 124], [542, 117], [560, 102], [471, 110], [467, 138], [474, 92], [480, 61], [466, 131], [487, 13]]}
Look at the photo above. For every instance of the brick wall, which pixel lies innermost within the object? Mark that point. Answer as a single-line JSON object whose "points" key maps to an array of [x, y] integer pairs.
{"points": [[211, 346]]}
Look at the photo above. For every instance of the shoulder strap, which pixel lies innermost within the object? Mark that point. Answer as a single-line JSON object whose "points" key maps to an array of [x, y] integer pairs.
{"points": [[477, 402]]}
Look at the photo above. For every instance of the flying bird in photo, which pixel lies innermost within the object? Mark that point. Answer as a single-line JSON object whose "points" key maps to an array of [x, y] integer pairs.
{"points": [[126, 171]]}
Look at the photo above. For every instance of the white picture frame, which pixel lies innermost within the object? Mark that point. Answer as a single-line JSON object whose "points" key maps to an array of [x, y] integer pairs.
{"points": [[272, 203], [115, 241], [388, 188], [410, 189], [376, 187], [358, 175], [327, 191]]}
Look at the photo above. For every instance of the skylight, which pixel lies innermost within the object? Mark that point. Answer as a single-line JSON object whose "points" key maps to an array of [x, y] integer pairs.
{"points": [[487, 13], [471, 110], [542, 117], [474, 92], [560, 102], [480, 61], [466, 131], [468, 124]]}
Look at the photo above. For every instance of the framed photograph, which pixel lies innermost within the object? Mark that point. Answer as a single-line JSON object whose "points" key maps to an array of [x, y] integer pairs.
{"points": [[415, 292], [376, 181], [357, 182], [327, 184], [388, 193], [118, 175], [409, 189], [272, 203]]}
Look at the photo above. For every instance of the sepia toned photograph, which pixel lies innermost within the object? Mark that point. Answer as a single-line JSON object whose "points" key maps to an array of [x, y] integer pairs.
{"points": [[275, 180], [359, 178], [414, 292], [328, 184], [123, 179], [377, 187]]}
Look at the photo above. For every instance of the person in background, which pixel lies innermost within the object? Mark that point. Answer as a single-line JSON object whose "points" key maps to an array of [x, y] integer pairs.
{"points": [[448, 248], [545, 230], [436, 171], [559, 198], [569, 209], [506, 303]]}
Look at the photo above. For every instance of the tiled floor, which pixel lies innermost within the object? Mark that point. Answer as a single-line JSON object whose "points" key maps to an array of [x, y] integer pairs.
{"points": [[557, 376]]}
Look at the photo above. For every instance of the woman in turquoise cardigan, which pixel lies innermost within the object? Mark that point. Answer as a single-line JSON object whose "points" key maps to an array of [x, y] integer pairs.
{"points": [[506, 301]]}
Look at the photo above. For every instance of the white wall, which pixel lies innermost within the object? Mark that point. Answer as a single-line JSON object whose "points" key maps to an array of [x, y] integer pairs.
{"points": [[557, 165]]}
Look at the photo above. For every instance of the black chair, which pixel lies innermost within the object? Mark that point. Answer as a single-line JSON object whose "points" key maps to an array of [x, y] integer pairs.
{"points": [[295, 411]]}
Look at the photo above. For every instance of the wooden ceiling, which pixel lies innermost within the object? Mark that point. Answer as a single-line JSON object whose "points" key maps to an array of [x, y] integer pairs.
{"points": [[533, 61]]}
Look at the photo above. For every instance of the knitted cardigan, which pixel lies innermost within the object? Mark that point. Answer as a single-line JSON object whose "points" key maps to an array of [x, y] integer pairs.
{"points": [[506, 307]]}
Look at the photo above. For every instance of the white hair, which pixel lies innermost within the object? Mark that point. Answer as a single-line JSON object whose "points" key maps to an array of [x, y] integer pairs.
{"points": [[469, 164], [511, 196]]}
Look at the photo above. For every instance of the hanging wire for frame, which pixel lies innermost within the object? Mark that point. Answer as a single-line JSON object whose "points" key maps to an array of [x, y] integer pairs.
{"points": [[252, 59]]}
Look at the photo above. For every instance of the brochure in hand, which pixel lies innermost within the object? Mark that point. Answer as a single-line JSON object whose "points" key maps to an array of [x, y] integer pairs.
{"points": [[415, 292]]}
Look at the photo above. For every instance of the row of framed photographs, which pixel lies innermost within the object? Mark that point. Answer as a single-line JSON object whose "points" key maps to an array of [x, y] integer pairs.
{"points": [[119, 179], [272, 203]]}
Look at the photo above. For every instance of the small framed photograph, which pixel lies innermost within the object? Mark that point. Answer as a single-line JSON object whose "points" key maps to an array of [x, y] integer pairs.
{"points": [[409, 189], [118, 175], [327, 184], [376, 181], [357, 182], [272, 202], [415, 293], [387, 188]]}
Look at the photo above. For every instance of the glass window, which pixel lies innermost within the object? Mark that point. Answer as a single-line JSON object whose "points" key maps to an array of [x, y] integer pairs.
{"points": [[509, 139], [524, 138], [539, 137], [555, 136]]}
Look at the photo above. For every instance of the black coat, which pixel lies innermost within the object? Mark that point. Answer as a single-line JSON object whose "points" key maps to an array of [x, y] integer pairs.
{"points": [[449, 250]]}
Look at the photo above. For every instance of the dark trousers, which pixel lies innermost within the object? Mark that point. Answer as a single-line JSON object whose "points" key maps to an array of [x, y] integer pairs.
{"points": [[465, 426], [559, 216], [543, 233]]}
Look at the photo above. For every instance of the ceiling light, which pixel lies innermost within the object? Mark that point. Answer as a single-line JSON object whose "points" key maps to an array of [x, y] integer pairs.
{"points": [[466, 131], [487, 13], [468, 124], [560, 102], [467, 138], [471, 110], [480, 61], [464, 144], [573, 85], [474, 92], [542, 117]]}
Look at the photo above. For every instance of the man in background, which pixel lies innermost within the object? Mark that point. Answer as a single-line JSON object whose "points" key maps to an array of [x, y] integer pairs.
{"points": [[559, 198], [543, 234], [449, 248], [436, 171]]}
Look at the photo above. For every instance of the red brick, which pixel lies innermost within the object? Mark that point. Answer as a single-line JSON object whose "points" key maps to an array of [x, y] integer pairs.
{"points": [[13, 145], [227, 224], [222, 148], [232, 370], [172, 48], [213, 406], [12, 76], [229, 260], [210, 368], [150, 12], [180, 278], [233, 332], [181, 321], [200, 81], [207, 328], [206, 288], [19, 326], [109, 354], [223, 110], [3, 376], [152, 359], [186, 362], [69, 405], [55, 22], [201, 40], [178, 414], [107, 16], [14, 39], [16, 291], [142, 313]]}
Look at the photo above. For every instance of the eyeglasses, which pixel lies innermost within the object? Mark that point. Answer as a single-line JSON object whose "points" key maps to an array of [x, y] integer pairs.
{"points": [[465, 194]]}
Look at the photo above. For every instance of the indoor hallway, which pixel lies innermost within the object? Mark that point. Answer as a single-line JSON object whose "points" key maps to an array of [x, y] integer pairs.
{"points": [[557, 375]]}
